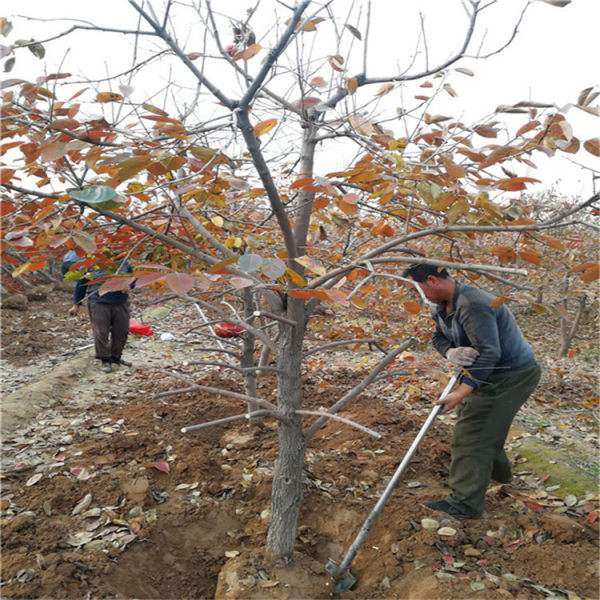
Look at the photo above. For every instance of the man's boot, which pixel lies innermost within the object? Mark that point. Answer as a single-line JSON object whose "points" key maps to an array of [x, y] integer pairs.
{"points": [[106, 366]]}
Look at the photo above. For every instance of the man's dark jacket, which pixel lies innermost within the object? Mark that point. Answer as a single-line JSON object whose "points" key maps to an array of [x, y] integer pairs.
{"points": [[493, 332]]}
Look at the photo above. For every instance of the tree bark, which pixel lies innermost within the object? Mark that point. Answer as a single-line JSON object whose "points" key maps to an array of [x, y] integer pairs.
{"points": [[568, 334], [288, 474], [247, 360]]}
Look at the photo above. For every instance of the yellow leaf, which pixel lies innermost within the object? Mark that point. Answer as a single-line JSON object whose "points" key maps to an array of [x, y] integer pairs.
{"points": [[264, 127], [295, 278], [217, 221]]}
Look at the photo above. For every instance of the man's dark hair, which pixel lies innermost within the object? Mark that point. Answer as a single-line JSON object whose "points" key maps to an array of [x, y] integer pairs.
{"points": [[420, 273]]}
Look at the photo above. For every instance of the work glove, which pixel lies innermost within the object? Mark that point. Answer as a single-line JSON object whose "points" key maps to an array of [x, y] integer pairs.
{"points": [[464, 356]]}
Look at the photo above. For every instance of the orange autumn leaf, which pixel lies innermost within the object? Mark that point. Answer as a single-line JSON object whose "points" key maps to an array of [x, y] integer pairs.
{"points": [[108, 97], [498, 301], [300, 183], [531, 255], [593, 146], [515, 184], [309, 294], [412, 307], [248, 53], [320, 202], [591, 273], [347, 204], [6, 175], [527, 127], [264, 127], [505, 254]]}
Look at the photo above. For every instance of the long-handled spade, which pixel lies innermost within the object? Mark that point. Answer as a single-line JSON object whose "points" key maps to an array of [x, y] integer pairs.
{"points": [[343, 578]]}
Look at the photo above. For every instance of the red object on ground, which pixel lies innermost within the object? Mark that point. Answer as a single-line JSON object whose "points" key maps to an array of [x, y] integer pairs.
{"points": [[226, 329], [138, 328]]}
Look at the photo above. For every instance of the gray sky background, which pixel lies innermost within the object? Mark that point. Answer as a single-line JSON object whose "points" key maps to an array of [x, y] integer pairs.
{"points": [[553, 58]]}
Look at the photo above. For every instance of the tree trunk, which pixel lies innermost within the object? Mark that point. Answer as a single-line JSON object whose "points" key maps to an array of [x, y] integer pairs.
{"points": [[567, 334], [247, 360], [288, 474]]}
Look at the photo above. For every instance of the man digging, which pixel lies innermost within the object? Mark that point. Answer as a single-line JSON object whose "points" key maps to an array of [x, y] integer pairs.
{"points": [[109, 315], [499, 374]]}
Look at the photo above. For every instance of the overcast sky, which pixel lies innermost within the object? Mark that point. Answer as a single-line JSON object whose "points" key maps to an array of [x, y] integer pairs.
{"points": [[553, 58]]}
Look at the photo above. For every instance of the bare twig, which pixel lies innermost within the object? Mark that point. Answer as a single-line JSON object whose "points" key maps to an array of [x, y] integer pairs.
{"points": [[338, 343], [218, 391], [326, 415], [225, 420], [358, 389], [270, 315]]}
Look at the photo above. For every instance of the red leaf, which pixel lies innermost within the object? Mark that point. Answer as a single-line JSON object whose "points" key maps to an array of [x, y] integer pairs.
{"points": [[162, 466], [144, 278], [180, 283], [592, 517], [115, 284]]}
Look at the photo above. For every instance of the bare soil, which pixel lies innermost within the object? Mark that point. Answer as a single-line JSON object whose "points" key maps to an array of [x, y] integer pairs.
{"points": [[173, 510]]}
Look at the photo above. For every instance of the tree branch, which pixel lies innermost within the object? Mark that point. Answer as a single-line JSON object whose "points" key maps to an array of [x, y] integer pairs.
{"points": [[273, 55], [265, 175], [434, 231], [595, 198], [363, 80], [358, 389], [219, 391], [338, 343], [326, 415], [161, 32], [248, 415]]}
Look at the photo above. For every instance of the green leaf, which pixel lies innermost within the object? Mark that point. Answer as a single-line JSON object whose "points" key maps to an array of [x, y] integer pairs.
{"points": [[249, 263], [95, 194], [73, 275]]}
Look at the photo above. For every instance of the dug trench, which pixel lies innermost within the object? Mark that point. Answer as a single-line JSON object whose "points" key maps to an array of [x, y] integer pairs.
{"points": [[167, 515]]}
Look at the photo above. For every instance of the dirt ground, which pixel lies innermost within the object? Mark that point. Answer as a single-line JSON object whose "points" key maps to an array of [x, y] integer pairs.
{"points": [[104, 497]]}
